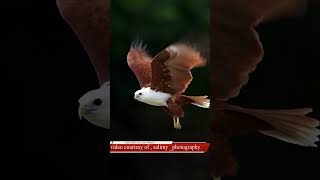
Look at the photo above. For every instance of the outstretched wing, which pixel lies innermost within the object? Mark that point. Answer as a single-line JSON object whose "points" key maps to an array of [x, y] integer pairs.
{"points": [[237, 49], [90, 21], [171, 68], [140, 63]]}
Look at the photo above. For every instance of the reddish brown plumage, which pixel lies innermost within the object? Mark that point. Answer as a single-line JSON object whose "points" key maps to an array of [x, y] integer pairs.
{"points": [[90, 21], [237, 49], [176, 102], [140, 63], [171, 68]]}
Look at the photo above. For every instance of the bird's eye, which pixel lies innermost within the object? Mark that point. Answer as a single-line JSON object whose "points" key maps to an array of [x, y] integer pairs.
{"points": [[140, 94], [97, 102]]}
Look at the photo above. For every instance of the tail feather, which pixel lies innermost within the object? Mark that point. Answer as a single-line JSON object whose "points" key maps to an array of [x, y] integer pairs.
{"points": [[297, 111], [291, 125], [200, 101], [290, 129]]}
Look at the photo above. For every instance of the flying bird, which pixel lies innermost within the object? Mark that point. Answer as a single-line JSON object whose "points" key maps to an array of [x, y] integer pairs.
{"points": [[90, 22], [164, 78], [237, 51]]}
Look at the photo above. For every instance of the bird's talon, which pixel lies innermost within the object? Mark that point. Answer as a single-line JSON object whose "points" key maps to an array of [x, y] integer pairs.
{"points": [[176, 123]]}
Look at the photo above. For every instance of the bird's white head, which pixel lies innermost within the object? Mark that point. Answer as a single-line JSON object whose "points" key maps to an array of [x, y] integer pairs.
{"points": [[143, 94], [95, 106], [151, 97]]}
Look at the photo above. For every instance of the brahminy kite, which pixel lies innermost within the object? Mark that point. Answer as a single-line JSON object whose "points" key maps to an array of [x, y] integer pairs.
{"points": [[237, 51], [90, 21], [164, 78]]}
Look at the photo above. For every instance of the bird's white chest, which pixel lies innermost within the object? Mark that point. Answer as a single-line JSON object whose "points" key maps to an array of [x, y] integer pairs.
{"points": [[154, 98]]}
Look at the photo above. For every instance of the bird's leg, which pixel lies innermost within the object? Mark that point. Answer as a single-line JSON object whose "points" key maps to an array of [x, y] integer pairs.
{"points": [[217, 178], [176, 123]]}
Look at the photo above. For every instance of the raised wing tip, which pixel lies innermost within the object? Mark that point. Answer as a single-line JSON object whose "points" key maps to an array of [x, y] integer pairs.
{"points": [[188, 51]]}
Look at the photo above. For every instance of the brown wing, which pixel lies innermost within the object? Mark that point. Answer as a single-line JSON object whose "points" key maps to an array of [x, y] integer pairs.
{"points": [[90, 21], [140, 63], [171, 68], [236, 46]]}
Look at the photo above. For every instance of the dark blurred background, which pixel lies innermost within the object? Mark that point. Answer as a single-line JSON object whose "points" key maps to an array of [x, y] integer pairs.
{"points": [[57, 145]]}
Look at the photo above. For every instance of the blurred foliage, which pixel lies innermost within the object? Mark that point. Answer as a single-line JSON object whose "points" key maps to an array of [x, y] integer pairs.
{"points": [[158, 24]]}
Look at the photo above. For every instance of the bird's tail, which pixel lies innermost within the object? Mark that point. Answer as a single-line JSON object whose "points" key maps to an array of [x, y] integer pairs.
{"points": [[201, 101], [291, 125]]}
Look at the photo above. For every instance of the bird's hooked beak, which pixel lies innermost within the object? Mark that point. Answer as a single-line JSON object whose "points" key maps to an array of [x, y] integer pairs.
{"points": [[81, 111], [84, 110]]}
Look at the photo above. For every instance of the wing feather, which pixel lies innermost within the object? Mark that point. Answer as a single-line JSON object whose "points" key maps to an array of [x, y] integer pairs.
{"points": [[140, 63], [237, 49], [171, 68], [90, 21]]}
